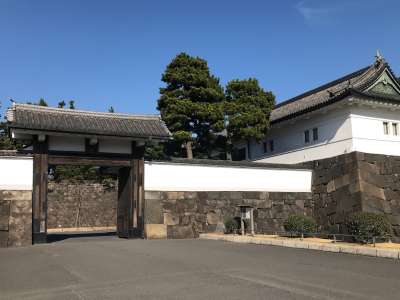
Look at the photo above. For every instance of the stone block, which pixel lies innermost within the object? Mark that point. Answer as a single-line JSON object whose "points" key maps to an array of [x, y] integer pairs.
{"points": [[235, 195], [264, 204], [395, 207], [348, 250], [330, 187], [153, 212], [366, 251], [372, 190], [171, 219], [15, 195], [186, 219], [180, 232], [366, 167], [152, 195], [252, 195], [21, 207], [330, 248], [373, 204], [186, 205], [387, 253], [155, 231], [20, 230], [4, 214], [277, 196], [300, 204], [169, 205], [213, 218], [214, 195], [190, 195], [394, 220], [173, 195], [354, 187], [392, 195], [3, 239], [342, 181]]}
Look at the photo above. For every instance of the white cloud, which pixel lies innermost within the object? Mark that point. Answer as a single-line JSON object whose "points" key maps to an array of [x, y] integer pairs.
{"points": [[316, 11]]}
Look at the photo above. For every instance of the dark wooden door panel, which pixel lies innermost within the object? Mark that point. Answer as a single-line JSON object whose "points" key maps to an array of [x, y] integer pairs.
{"points": [[124, 203]]}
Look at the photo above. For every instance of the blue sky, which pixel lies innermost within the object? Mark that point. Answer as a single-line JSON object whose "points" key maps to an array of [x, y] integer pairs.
{"points": [[101, 53]]}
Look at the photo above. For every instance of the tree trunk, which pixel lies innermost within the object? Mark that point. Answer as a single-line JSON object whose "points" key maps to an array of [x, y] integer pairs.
{"points": [[248, 150], [189, 152]]}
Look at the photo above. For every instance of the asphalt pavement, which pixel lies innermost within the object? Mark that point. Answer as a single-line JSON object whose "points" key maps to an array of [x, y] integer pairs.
{"points": [[105, 267]]}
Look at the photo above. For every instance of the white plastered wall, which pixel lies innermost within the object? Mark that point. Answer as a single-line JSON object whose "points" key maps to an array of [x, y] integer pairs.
{"points": [[367, 130], [16, 173], [63, 143], [187, 177], [334, 138], [114, 146]]}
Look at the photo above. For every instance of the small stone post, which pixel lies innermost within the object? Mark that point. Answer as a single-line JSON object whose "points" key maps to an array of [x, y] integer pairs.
{"points": [[252, 221]]}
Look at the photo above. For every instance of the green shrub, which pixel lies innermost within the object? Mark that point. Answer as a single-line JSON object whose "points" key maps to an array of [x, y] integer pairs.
{"points": [[364, 226], [231, 225], [300, 224]]}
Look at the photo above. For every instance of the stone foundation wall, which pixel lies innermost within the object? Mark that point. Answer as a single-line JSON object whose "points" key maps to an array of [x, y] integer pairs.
{"points": [[186, 214], [81, 204], [380, 186], [356, 182], [15, 218], [336, 190]]}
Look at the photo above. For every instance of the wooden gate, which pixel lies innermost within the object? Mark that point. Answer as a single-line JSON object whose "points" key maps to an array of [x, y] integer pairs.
{"points": [[130, 190]]}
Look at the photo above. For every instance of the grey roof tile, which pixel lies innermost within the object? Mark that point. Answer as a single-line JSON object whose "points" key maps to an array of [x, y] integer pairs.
{"points": [[33, 117], [327, 93]]}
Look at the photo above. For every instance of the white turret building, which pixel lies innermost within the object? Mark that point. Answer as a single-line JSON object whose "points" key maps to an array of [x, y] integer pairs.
{"points": [[358, 112]]}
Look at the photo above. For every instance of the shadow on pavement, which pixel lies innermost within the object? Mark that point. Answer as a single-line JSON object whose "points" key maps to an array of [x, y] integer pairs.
{"points": [[58, 237]]}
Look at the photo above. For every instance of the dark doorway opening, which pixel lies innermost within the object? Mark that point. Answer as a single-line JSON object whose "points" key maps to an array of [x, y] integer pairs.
{"points": [[130, 191], [81, 201]]}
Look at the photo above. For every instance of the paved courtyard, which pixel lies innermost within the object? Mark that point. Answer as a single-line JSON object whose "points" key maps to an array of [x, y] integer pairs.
{"points": [[110, 268]]}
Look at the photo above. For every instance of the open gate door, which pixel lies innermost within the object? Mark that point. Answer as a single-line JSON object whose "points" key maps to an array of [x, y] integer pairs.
{"points": [[125, 203], [130, 200]]}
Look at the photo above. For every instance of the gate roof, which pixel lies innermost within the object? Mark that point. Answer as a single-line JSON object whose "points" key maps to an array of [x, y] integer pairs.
{"points": [[48, 119]]}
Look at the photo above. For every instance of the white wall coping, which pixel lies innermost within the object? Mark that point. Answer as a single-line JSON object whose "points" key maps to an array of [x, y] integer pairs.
{"points": [[165, 176], [16, 173]]}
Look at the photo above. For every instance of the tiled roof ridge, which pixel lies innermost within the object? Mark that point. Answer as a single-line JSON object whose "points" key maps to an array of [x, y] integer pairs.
{"points": [[325, 86], [32, 107], [379, 68], [337, 97]]}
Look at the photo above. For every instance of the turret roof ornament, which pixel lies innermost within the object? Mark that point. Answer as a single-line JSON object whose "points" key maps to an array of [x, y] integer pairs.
{"points": [[378, 57]]}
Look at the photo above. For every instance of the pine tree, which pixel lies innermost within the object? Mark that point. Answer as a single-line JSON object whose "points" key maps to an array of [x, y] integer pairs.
{"points": [[190, 104], [71, 104], [42, 102], [248, 107], [61, 104], [5, 141]]}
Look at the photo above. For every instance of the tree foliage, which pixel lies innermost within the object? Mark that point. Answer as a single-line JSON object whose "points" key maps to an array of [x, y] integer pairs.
{"points": [[248, 107], [71, 104], [190, 104], [5, 141], [365, 225], [300, 224], [41, 102]]}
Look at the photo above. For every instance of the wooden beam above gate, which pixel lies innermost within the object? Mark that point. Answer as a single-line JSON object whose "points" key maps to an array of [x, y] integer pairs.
{"points": [[89, 161]]}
